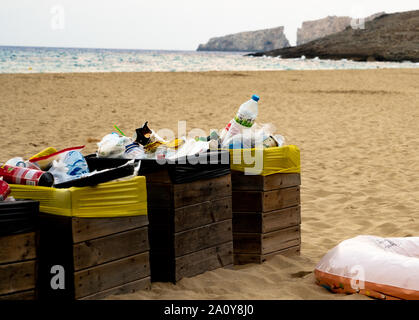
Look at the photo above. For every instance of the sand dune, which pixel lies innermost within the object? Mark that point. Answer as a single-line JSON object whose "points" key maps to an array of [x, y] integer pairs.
{"points": [[357, 130]]}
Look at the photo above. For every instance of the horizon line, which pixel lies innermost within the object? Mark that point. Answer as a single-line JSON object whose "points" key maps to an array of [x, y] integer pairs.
{"points": [[93, 48]]}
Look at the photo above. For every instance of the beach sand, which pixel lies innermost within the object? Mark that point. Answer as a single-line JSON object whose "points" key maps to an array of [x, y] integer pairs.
{"points": [[358, 132]]}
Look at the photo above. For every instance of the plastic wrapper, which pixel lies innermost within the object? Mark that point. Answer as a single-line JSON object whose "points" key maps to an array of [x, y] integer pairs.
{"points": [[110, 199], [266, 161]]}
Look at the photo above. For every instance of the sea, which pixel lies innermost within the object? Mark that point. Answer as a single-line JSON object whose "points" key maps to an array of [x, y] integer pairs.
{"points": [[64, 60]]}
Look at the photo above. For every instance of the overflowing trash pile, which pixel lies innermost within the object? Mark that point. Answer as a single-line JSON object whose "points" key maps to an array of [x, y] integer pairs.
{"points": [[68, 167]]}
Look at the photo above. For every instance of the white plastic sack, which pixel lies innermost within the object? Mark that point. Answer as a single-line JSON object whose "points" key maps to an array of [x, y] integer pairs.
{"points": [[385, 268], [115, 146], [112, 146]]}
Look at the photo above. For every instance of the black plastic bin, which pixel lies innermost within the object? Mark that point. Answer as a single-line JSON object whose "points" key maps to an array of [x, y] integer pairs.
{"points": [[186, 169]]}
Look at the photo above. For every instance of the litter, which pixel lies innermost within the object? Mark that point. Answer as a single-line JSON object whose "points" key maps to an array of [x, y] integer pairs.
{"points": [[45, 158], [68, 166], [112, 146], [244, 118], [25, 176], [4, 190], [20, 162]]}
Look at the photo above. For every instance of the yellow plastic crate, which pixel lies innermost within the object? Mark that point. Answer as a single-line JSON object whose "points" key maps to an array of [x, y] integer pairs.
{"points": [[266, 161], [110, 199]]}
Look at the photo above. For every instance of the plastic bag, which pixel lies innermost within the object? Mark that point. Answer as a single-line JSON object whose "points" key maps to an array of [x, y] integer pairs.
{"points": [[112, 146], [251, 137], [69, 166], [115, 146]]}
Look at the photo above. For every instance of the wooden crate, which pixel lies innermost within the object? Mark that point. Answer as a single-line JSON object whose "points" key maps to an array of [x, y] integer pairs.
{"points": [[190, 226], [100, 256], [18, 266], [266, 216]]}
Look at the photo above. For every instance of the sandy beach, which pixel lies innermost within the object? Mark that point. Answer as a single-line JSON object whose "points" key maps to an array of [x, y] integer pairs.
{"points": [[357, 131]]}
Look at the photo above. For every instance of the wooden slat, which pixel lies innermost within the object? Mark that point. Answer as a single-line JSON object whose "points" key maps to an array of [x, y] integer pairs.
{"points": [[248, 222], [191, 216], [204, 260], [93, 252], [201, 214], [281, 198], [281, 239], [17, 247], [242, 182], [18, 276], [203, 237], [23, 295], [245, 258], [186, 194], [260, 243], [257, 201], [280, 219], [281, 180], [131, 287], [91, 228], [110, 275]]}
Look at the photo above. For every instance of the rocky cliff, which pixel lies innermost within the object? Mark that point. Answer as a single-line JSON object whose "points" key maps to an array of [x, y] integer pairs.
{"points": [[315, 29], [390, 37], [260, 40]]}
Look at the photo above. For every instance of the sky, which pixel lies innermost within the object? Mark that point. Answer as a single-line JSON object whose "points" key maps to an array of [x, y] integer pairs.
{"points": [[164, 24]]}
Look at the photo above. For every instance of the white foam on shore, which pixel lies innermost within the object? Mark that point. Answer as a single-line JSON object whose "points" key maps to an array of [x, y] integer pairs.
{"points": [[63, 60]]}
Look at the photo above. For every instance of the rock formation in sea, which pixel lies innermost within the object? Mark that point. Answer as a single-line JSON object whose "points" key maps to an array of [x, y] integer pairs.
{"points": [[390, 37], [315, 29], [260, 40]]}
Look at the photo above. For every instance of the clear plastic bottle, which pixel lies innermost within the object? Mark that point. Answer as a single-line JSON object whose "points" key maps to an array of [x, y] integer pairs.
{"points": [[248, 112], [245, 118]]}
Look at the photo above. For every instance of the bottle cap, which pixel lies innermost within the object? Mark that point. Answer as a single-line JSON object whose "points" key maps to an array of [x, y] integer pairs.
{"points": [[255, 97]]}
